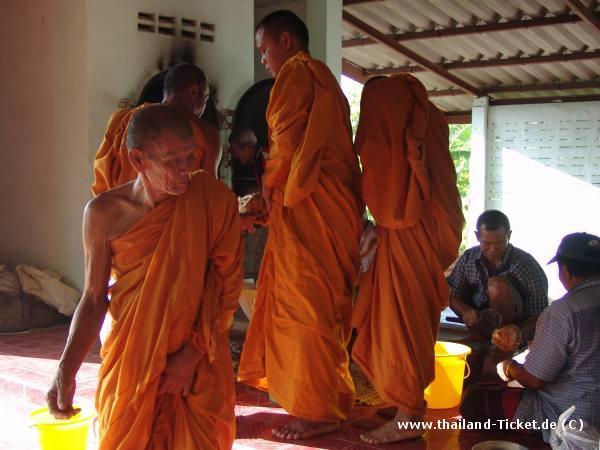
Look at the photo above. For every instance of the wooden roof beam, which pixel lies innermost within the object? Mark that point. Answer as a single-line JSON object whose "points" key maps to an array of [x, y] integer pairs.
{"points": [[561, 86], [470, 29], [553, 99], [354, 71], [381, 37], [358, 2], [535, 87], [586, 14], [480, 64], [457, 117]]}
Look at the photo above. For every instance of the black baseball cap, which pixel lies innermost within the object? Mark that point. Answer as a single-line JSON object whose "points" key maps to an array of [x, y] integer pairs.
{"points": [[582, 247]]}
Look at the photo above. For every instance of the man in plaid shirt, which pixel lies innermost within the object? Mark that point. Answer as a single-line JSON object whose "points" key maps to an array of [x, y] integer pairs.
{"points": [[497, 289]]}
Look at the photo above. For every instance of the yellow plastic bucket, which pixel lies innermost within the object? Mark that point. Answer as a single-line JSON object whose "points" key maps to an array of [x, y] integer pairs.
{"points": [[446, 389], [55, 434]]}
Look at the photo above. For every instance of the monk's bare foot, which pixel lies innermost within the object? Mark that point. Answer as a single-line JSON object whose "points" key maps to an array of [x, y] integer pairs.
{"points": [[397, 429], [304, 429]]}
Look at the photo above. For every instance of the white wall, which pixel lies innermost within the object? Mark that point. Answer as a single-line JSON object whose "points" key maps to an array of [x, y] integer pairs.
{"points": [[67, 63], [43, 133], [543, 171], [123, 59]]}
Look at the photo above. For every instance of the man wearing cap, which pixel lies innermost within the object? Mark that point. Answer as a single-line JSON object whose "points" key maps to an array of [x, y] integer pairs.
{"points": [[563, 366]]}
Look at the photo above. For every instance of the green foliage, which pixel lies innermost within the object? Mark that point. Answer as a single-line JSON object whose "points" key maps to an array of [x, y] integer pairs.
{"points": [[460, 149], [354, 100]]}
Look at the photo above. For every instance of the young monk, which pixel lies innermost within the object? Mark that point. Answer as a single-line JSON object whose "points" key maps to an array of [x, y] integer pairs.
{"points": [[409, 185], [173, 239], [296, 342], [185, 89]]}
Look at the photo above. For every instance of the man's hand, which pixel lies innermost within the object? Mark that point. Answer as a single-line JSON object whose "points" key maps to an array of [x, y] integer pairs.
{"points": [[367, 247], [60, 397], [507, 338], [178, 376], [470, 316]]}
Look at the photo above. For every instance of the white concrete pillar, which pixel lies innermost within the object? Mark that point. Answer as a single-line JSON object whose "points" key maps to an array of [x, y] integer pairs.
{"points": [[477, 166], [324, 22]]}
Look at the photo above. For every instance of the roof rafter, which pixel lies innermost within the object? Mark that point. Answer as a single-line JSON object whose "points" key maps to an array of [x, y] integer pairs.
{"points": [[428, 65], [586, 14], [358, 2], [553, 99], [470, 29], [498, 62]]}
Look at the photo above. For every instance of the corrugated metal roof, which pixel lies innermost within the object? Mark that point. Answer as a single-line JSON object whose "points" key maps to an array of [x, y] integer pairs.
{"points": [[405, 19]]}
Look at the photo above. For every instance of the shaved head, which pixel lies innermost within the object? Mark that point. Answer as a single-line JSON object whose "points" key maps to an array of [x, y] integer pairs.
{"points": [[149, 124], [180, 77], [283, 20]]}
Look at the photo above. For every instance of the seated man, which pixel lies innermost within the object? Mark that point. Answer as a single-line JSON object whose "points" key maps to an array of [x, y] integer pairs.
{"points": [[173, 239], [563, 365], [248, 163], [497, 288]]}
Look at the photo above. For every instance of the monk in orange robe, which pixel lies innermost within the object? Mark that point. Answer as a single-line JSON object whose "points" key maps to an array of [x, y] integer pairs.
{"points": [[173, 240], [186, 89], [296, 343], [409, 185]]}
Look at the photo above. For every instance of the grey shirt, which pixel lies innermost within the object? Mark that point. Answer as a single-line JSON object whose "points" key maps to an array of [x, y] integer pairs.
{"points": [[566, 354]]}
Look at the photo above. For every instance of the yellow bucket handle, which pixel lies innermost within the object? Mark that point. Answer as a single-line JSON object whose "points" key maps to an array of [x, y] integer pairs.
{"points": [[468, 370]]}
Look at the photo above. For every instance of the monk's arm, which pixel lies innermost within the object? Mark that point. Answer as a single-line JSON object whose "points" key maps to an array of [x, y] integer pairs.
{"points": [[89, 314], [101, 163], [225, 262], [289, 108]]}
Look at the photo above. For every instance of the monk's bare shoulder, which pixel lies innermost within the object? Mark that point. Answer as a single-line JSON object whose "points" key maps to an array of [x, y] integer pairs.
{"points": [[112, 212]]}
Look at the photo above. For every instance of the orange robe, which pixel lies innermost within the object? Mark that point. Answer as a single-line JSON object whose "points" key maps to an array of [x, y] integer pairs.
{"points": [[179, 272], [409, 185], [111, 165], [296, 342]]}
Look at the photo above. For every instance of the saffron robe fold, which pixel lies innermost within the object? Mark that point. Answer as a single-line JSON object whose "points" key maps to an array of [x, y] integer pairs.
{"points": [[111, 165], [179, 273], [296, 342], [409, 185]]}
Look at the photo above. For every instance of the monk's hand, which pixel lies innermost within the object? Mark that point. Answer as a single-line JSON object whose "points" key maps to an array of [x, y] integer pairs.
{"points": [[178, 376], [59, 397], [470, 316], [507, 338], [367, 247]]}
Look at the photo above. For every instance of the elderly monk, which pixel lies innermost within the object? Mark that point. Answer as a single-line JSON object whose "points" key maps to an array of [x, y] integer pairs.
{"points": [[173, 239], [185, 89], [409, 185], [296, 342]]}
